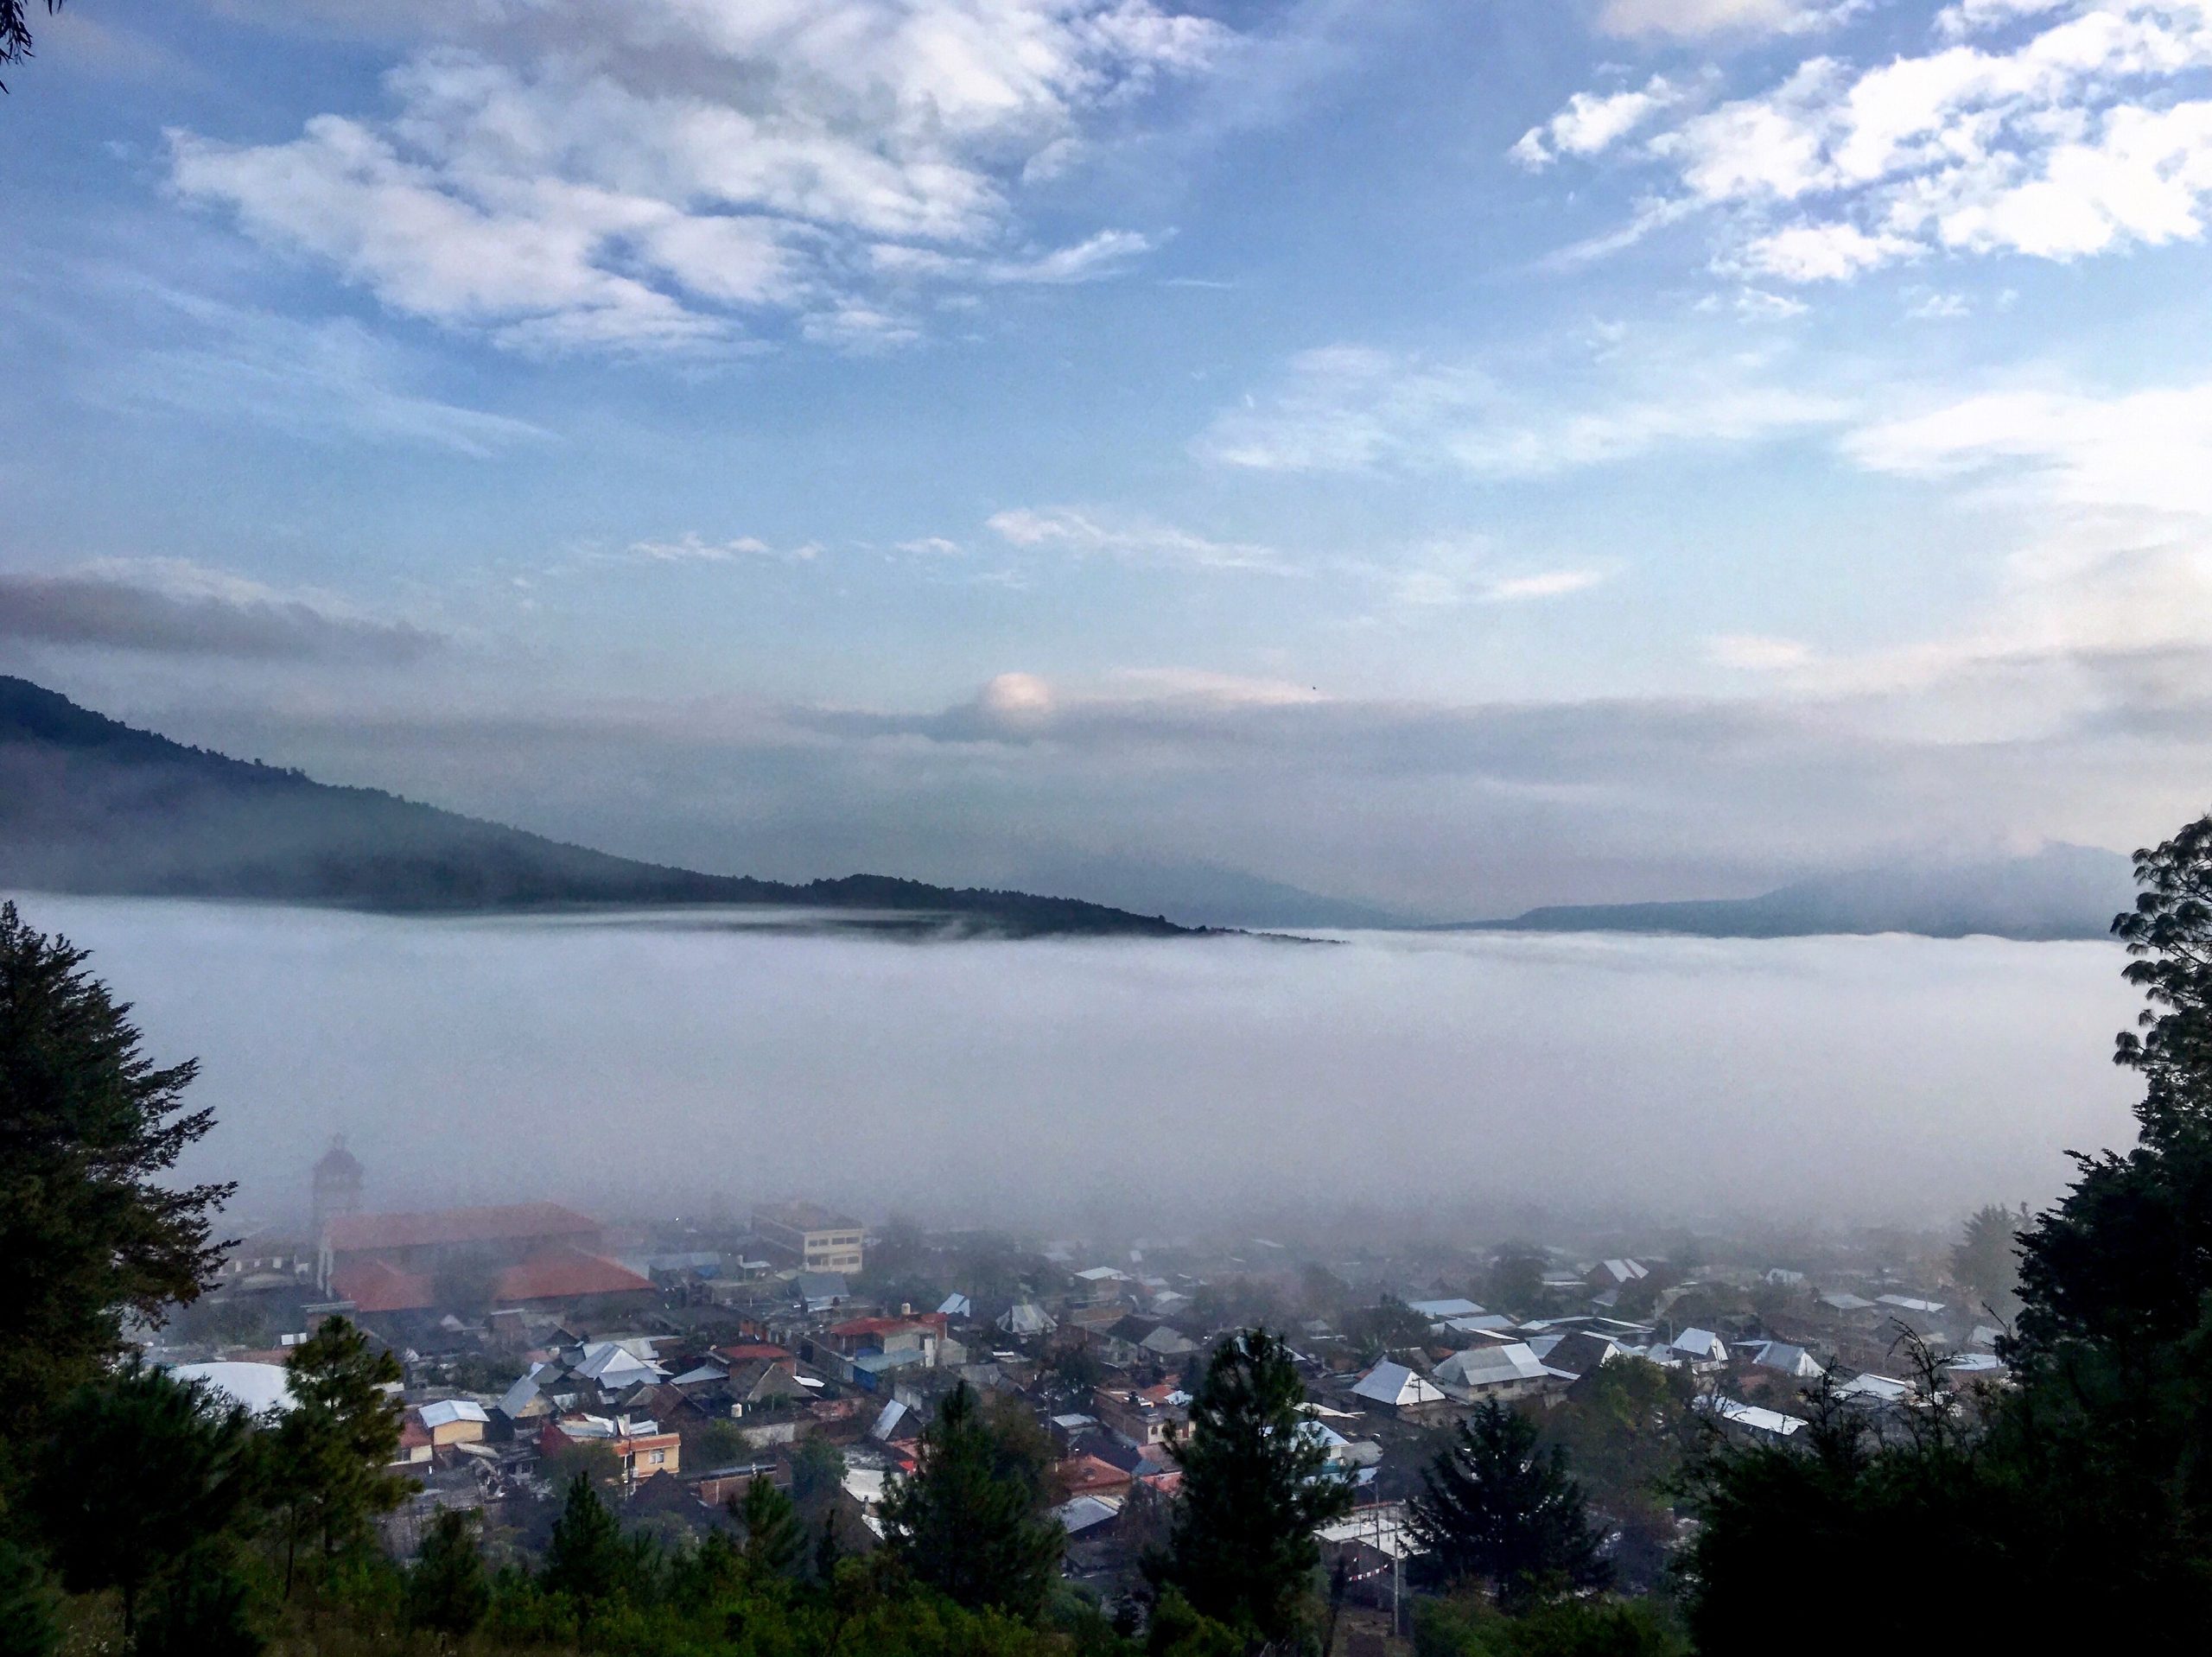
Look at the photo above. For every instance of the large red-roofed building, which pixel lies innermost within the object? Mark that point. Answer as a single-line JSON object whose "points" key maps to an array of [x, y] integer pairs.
{"points": [[531, 1251]]}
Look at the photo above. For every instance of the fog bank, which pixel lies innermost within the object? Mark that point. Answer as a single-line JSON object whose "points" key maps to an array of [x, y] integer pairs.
{"points": [[649, 1063]]}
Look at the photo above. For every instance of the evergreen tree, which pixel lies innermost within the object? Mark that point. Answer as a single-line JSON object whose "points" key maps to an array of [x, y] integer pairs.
{"points": [[327, 1458], [775, 1541], [1496, 1508], [586, 1558], [88, 1126], [138, 1470], [965, 1524], [202, 1609], [449, 1592], [1986, 1260], [27, 1626], [1257, 1483]]}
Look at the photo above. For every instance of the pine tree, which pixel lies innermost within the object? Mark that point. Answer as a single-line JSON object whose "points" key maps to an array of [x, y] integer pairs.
{"points": [[448, 1590], [775, 1541], [1496, 1509], [965, 1526], [326, 1469], [88, 1126], [27, 1626], [1257, 1483], [138, 1471], [586, 1559]]}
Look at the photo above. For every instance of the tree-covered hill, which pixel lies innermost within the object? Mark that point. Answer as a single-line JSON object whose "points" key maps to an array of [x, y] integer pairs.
{"points": [[88, 805]]}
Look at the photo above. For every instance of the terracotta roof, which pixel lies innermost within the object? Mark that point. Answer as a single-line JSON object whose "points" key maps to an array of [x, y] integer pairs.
{"points": [[517, 1222], [561, 1273], [375, 1284], [854, 1326], [745, 1352], [1087, 1475]]}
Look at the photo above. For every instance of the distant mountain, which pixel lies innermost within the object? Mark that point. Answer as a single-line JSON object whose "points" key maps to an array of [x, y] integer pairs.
{"points": [[90, 805], [2061, 892], [1200, 894]]}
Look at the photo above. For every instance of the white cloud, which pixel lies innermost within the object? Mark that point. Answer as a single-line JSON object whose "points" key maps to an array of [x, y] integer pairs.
{"points": [[1352, 409], [1544, 584], [693, 549], [2079, 138], [2142, 451], [663, 177], [1757, 653], [1590, 124], [1698, 18], [1137, 540]]}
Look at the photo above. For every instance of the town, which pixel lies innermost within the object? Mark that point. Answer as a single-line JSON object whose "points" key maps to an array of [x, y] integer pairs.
{"points": [[676, 1364]]}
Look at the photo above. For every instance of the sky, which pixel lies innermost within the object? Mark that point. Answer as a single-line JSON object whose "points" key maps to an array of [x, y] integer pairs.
{"points": [[1449, 1085], [1451, 454]]}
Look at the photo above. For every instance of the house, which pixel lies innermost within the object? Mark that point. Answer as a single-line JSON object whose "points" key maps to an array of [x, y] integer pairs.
{"points": [[452, 1421], [1167, 1342], [1575, 1352], [1849, 1304], [821, 1291], [957, 1305], [1442, 1311], [1699, 1346], [1394, 1387], [1091, 1475], [1086, 1514], [1512, 1371], [810, 1237], [1751, 1420], [1026, 1319], [1144, 1417], [1792, 1360], [1615, 1274], [640, 1446]]}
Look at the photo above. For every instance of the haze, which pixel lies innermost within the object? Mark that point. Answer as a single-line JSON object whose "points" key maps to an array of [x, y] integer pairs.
{"points": [[644, 1064]]}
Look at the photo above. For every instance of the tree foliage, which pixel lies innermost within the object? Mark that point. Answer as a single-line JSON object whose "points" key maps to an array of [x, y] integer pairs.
{"points": [[330, 1454], [16, 31], [448, 1590], [775, 1541], [1496, 1509], [88, 1127], [138, 1470], [1257, 1483], [970, 1523]]}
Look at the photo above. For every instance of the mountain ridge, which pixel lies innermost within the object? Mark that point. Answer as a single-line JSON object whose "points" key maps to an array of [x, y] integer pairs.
{"points": [[91, 805], [2057, 893]]}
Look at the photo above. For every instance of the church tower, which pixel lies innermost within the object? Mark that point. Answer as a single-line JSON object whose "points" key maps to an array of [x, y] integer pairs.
{"points": [[337, 1186]]}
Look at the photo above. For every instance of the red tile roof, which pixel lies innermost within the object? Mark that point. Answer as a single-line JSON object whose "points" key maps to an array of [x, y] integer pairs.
{"points": [[517, 1222], [375, 1284], [563, 1273], [1087, 1476]]}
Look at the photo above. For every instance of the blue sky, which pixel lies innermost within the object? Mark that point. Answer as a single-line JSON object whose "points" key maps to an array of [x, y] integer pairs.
{"points": [[1447, 453]]}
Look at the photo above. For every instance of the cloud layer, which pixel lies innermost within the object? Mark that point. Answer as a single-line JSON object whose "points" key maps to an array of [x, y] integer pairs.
{"points": [[2056, 128], [168, 607], [670, 174]]}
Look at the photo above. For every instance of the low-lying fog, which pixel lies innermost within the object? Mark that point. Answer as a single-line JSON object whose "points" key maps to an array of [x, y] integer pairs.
{"points": [[651, 1063]]}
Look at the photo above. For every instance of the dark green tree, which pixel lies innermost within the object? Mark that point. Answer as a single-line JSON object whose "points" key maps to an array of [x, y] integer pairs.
{"points": [[27, 1624], [1257, 1483], [775, 1541], [88, 1127], [1986, 1257], [1516, 1281], [137, 1471], [817, 1473], [448, 1590], [1496, 1509], [202, 1609], [586, 1558], [968, 1524], [328, 1475]]}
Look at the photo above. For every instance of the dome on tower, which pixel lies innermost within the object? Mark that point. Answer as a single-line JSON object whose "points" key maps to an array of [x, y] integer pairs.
{"points": [[338, 1165]]}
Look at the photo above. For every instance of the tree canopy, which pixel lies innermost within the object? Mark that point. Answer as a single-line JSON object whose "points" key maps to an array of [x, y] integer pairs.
{"points": [[89, 1127], [1257, 1483], [969, 1523], [1496, 1507]]}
